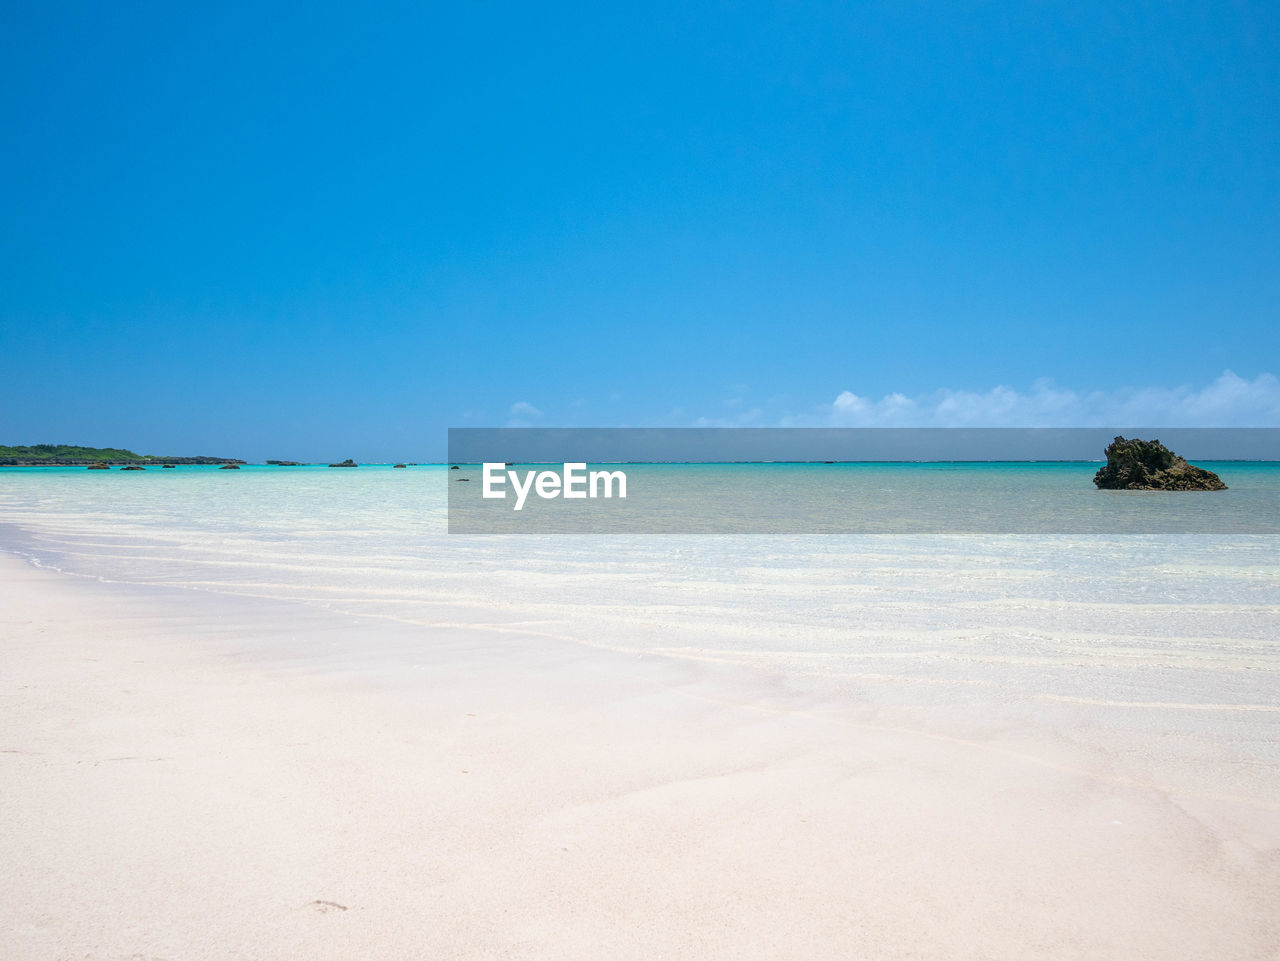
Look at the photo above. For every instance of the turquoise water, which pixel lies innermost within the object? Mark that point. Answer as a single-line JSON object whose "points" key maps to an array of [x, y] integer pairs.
{"points": [[1072, 600], [1044, 499], [1048, 500]]}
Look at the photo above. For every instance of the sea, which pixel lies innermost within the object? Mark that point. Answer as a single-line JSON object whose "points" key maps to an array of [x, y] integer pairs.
{"points": [[1111, 596]]}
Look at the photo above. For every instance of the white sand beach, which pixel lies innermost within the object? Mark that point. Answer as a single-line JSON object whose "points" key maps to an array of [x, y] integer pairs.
{"points": [[183, 777], [640, 482]]}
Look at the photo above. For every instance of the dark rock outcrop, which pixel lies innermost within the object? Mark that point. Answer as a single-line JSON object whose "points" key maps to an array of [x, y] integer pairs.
{"points": [[346, 463], [99, 467], [285, 463], [1147, 465], [168, 466], [229, 467], [454, 467], [399, 465], [133, 467]]}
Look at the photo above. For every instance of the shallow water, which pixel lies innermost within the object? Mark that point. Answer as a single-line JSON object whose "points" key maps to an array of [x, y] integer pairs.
{"points": [[1181, 616]]}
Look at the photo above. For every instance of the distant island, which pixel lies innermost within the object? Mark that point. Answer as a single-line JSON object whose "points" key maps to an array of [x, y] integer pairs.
{"points": [[68, 455]]}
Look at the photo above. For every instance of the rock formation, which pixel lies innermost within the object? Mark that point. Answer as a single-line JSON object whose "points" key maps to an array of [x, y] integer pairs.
{"points": [[229, 467], [346, 463], [1147, 465]]}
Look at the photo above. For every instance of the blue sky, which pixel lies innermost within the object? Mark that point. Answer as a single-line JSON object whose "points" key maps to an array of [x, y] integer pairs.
{"points": [[312, 231]]}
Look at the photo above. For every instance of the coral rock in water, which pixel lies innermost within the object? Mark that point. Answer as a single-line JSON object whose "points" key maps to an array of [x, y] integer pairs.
{"points": [[1147, 465]]}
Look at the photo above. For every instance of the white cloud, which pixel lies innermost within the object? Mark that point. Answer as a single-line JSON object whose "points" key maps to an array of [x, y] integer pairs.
{"points": [[523, 414], [1229, 401]]}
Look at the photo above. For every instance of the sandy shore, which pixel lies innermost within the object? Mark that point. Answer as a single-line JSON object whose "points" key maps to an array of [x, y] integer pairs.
{"points": [[188, 776]]}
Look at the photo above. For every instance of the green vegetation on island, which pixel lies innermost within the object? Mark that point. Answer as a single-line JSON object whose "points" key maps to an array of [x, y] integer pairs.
{"points": [[69, 455]]}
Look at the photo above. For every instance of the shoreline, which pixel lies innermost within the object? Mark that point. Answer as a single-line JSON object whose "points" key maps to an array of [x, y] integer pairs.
{"points": [[175, 779]]}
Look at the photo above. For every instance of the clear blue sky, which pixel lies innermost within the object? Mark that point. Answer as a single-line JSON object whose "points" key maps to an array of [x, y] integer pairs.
{"points": [[313, 231]]}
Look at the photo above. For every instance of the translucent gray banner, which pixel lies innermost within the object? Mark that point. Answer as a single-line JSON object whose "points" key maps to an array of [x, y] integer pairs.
{"points": [[846, 481]]}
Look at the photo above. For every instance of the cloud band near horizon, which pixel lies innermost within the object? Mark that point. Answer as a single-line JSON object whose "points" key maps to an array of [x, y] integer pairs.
{"points": [[1228, 401]]}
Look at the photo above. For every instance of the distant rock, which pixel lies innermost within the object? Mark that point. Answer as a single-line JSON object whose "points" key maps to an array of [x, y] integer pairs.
{"points": [[399, 465], [285, 463], [229, 467], [168, 466], [133, 467], [454, 467], [1147, 465], [99, 467], [346, 463]]}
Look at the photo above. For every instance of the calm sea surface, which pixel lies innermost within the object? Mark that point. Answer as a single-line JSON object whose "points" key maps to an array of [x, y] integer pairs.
{"points": [[1121, 598]]}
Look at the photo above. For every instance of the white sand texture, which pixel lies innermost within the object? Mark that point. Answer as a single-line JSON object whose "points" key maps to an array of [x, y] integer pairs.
{"points": [[181, 781]]}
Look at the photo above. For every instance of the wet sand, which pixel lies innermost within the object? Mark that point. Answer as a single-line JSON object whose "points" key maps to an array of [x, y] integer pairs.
{"points": [[193, 776]]}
